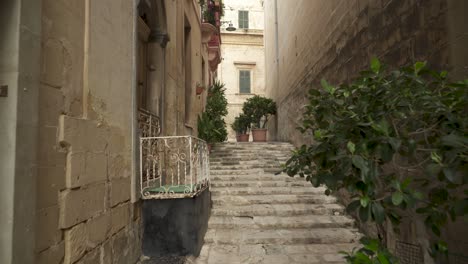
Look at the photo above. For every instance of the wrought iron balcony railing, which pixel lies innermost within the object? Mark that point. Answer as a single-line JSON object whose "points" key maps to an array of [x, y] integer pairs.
{"points": [[173, 167]]}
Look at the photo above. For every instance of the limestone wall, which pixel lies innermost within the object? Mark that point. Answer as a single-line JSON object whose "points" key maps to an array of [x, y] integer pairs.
{"points": [[336, 39], [310, 40], [87, 173]]}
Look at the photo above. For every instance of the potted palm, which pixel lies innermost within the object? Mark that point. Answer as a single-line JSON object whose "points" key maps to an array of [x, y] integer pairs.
{"points": [[259, 109], [241, 125]]}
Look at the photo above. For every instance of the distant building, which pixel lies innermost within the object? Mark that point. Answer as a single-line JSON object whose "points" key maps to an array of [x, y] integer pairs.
{"points": [[242, 68]]}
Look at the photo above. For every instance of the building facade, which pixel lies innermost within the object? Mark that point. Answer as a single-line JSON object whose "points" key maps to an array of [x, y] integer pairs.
{"points": [[78, 77], [243, 62], [334, 40]]}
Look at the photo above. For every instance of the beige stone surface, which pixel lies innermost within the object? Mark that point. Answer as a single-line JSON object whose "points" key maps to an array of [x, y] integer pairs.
{"points": [[119, 191], [51, 180], [52, 255], [81, 204], [84, 168], [48, 230], [120, 217], [258, 217]]}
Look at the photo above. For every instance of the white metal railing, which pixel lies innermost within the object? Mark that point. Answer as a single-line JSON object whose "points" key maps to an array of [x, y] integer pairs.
{"points": [[148, 123], [173, 167]]}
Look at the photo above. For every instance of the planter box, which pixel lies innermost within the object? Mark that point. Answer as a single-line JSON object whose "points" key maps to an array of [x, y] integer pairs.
{"points": [[242, 138], [259, 134]]}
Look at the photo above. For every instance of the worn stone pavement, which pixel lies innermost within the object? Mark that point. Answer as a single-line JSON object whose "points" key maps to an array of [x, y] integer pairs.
{"points": [[260, 217]]}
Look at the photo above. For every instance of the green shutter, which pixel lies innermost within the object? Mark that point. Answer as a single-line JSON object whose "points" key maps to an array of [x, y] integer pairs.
{"points": [[244, 81], [243, 19]]}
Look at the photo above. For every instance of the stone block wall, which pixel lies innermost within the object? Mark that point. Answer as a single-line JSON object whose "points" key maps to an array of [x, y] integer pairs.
{"points": [[334, 40], [84, 212]]}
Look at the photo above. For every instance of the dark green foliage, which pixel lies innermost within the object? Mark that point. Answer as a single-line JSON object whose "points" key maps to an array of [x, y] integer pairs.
{"points": [[241, 124], [259, 107], [396, 141], [372, 252], [211, 125]]}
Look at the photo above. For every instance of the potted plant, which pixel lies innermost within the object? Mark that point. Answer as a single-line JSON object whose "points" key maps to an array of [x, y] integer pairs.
{"points": [[199, 89], [259, 109], [207, 130], [241, 125]]}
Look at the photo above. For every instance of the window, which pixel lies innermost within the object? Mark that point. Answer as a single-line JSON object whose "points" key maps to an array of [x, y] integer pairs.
{"points": [[244, 19], [244, 81]]}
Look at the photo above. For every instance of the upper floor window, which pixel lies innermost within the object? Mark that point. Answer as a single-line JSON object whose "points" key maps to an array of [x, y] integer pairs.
{"points": [[244, 81], [244, 19]]}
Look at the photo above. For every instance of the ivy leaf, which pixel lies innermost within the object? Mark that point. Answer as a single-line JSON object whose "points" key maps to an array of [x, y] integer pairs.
{"points": [[351, 147], [452, 175], [364, 213], [365, 201], [375, 65], [327, 87], [378, 212], [353, 206], [397, 198], [418, 66]]}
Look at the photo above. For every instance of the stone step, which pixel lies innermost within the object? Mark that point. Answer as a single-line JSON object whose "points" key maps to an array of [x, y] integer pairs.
{"points": [[237, 172], [272, 254], [260, 176], [229, 162], [280, 222], [271, 199], [254, 210], [242, 158], [251, 236], [244, 167], [217, 182], [252, 190]]}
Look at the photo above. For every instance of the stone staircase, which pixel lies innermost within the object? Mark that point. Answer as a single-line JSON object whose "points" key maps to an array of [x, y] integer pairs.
{"points": [[260, 217]]}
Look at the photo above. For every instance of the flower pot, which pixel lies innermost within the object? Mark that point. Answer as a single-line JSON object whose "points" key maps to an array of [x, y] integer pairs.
{"points": [[259, 134], [200, 90], [242, 137], [210, 146]]}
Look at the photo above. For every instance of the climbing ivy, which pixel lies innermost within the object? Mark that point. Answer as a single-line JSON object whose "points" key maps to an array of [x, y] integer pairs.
{"points": [[397, 142]]}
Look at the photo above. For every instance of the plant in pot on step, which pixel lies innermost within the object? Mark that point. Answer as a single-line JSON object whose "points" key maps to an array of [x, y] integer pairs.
{"points": [[259, 109], [241, 125], [207, 130]]}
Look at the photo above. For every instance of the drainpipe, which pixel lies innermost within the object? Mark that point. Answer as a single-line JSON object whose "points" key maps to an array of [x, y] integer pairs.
{"points": [[134, 123], [162, 95], [276, 46]]}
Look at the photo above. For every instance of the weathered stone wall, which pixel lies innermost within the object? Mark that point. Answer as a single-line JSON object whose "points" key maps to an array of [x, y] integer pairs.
{"points": [[84, 213], [84, 208], [334, 40]]}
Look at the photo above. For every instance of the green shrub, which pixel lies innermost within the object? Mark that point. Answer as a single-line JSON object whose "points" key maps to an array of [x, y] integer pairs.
{"points": [[211, 125], [241, 124], [259, 107], [396, 141]]}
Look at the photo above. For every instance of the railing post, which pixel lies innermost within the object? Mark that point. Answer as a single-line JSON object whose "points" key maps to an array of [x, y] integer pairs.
{"points": [[191, 165]]}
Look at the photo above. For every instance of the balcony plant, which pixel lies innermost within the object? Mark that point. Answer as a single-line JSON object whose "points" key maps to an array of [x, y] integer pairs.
{"points": [[259, 109], [241, 125]]}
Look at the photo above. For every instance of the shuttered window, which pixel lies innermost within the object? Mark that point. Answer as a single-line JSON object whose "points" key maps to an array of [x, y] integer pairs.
{"points": [[244, 81], [244, 19]]}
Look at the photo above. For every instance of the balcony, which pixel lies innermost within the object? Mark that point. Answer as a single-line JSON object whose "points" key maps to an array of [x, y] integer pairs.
{"points": [[173, 167]]}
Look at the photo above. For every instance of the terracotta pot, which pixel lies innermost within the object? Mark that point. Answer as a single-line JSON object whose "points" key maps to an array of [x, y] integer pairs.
{"points": [[210, 146], [242, 137], [259, 134], [200, 90]]}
